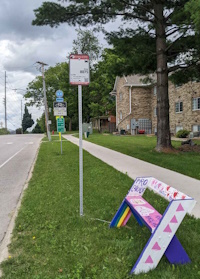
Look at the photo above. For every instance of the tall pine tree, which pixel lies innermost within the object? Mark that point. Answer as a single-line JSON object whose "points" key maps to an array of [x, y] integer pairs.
{"points": [[163, 24], [27, 121]]}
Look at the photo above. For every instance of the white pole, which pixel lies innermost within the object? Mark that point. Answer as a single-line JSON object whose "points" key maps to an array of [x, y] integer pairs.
{"points": [[80, 149], [21, 116], [5, 105]]}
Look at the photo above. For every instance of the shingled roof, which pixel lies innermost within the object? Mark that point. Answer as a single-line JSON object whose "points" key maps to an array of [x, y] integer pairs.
{"points": [[135, 80], [139, 80]]}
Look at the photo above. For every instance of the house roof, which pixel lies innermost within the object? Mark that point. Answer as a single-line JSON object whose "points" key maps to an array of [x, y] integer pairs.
{"points": [[140, 80], [135, 81]]}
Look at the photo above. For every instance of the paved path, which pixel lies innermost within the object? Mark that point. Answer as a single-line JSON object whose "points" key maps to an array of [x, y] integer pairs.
{"points": [[135, 168]]}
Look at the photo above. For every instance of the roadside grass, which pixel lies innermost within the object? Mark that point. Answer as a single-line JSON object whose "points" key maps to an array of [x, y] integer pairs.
{"points": [[51, 240], [143, 147], [64, 133], [53, 138]]}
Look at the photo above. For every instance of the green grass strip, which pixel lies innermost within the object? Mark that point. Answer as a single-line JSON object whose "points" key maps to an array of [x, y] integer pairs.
{"points": [[143, 147], [51, 240]]}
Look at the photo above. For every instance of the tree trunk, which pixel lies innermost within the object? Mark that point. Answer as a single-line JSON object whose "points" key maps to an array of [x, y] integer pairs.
{"points": [[70, 124], [163, 127]]}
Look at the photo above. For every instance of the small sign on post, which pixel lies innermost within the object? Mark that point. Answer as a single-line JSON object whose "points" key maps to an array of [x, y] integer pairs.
{"points": [[60, 128], [59, 93], [60, 124], [79, 74], [60, 108]]}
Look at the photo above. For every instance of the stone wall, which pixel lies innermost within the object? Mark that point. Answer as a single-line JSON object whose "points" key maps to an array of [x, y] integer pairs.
{"points": [[144, 103], [187, 118], [140, 104]]}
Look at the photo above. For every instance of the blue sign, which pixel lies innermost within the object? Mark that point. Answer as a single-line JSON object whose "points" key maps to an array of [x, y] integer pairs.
{"points": [[59, 100], [59, 93]]}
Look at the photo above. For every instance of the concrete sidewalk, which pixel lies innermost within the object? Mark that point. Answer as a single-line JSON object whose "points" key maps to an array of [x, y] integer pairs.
{"points": [[134, 168]]}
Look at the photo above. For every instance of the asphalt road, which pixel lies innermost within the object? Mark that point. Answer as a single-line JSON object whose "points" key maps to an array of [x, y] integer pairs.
{"points": [[17, 154]]}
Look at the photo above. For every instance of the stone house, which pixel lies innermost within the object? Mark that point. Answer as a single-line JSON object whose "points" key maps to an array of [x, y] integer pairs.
{"points": [[136, 105]]}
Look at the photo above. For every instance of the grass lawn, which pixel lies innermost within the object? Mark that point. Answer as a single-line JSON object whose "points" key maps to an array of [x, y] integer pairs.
{"points": [[142, 147], [51, 240]]}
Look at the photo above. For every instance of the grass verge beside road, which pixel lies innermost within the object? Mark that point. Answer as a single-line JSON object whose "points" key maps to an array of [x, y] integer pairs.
{"points": [[142, 147], [51, 240]]}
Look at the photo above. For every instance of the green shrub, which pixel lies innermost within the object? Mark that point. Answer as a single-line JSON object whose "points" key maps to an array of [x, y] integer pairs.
{"points": [[182, 134], [19, 131], [4, 131]]}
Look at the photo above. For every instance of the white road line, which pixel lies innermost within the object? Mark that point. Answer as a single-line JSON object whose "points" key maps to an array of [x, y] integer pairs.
{"points": [[9, 143], [11, 157]]}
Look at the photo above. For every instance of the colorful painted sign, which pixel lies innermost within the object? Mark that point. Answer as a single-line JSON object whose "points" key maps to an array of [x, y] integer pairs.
{"points": [[149, 215], [157, 186], [163, 228]]}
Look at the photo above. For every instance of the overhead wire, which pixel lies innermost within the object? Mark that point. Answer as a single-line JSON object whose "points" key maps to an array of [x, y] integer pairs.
{"points": [[9, 86], [11, 122]]}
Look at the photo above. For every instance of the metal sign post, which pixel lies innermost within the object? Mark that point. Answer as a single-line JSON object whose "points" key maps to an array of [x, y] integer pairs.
{"points": [[80, 148], [79, 72]]}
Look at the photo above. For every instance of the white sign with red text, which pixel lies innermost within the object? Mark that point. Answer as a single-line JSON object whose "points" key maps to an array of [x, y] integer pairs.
{"points": [[79, 69]]}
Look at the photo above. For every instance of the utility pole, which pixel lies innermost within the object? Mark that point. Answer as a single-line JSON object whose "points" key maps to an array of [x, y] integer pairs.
{"points": [[5, 104], [21, 107], [45, 100], [21, 116]]}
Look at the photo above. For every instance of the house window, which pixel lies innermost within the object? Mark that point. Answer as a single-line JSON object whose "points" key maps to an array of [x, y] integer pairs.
{"points": [[195, 103], [178, 128], [120, 115], [120, 96], [155, 111], [196, 128], [179, 106], [155, 90]]}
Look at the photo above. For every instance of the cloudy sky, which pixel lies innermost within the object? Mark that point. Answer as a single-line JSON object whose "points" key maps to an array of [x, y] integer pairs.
{"points": [[21, 45]]}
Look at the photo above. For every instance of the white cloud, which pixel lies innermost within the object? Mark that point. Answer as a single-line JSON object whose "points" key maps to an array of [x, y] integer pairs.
{"points": [[21, 45]]}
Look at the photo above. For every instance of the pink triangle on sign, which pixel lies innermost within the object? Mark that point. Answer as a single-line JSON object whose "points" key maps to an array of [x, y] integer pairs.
{"points": [[149, 260], [174, 220], [180, 208], [167, 229], [156, 246]]}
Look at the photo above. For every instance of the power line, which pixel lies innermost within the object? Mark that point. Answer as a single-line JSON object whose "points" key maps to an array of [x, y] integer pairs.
{"points": [[11, 123], [30, 66]]}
